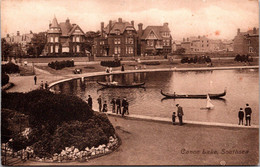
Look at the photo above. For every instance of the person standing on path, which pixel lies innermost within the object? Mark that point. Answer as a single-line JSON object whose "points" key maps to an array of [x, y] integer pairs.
{"points": [[105, 106], [180, 113], [35, 79], [118, 105], [90, 103], [46, 85], [173, 118], [240, 116], [113, 102], [99, 103], [248, 112], [41, 86]]}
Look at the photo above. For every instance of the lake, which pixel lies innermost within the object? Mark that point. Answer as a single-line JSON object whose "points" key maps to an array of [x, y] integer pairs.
{"points": [[241, 85]]}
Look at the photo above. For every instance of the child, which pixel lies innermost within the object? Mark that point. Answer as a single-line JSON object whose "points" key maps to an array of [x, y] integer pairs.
{"points": [[173, 118], [105, 106]]}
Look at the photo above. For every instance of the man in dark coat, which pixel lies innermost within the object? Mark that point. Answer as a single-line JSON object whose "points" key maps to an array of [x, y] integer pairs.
{"points": [[248, 112], [180, 113], [113, 102], [118, 105], [35, 80], [240, 116], [90, 103], [99, 103]]}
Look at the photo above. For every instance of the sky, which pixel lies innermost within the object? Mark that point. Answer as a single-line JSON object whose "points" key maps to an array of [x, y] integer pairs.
{"points": [[216, 19]]}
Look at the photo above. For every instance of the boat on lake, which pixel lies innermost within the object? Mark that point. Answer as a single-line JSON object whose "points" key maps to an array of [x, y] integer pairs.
{"points": [[199, 96], [117, 85]]}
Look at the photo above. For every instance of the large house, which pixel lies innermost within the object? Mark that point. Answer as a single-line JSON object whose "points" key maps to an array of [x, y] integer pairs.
{"points": [[118, 38], [247, 42], [65, 37], [23, 40], [154, 40]]}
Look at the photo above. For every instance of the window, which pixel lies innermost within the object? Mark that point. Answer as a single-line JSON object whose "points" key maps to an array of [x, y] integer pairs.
{"points": [[130, 40], [101, 42], [167, 42], [202, 45], [77, 39], [150, 42], [117, 32], [249, 42], [164, 42], [78, 48], [51, 49], [130, 50], [129, 32], [56, 39], [117, 50], [56, 48], [117, 40], [51, 39], [250, 50]]}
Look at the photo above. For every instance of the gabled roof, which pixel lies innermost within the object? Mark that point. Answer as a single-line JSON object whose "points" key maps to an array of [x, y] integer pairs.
{"points": [[156, 29], [118, 26], [75, 26], [65, 28]]}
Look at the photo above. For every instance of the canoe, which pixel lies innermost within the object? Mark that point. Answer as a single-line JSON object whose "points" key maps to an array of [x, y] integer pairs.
{"points": [[116, 85], [199, 96]]}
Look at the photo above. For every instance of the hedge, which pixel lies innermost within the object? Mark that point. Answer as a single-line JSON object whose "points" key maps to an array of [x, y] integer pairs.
{"points": [[5, 79], [110, 63], [62, 64], [10, 68]]}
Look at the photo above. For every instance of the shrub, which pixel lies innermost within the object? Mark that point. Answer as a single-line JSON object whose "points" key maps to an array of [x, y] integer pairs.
{"points": [[10, 68], [110, 63], [184, 60], [62, 64], [57, 121], [151, 63], [5, 79]]}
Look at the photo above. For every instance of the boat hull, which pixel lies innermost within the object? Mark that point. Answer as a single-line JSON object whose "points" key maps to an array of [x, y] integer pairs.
{"points": [[105, 84], [201, 96]]}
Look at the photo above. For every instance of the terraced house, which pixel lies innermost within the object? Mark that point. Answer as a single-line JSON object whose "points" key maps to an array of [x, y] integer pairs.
{"points": [[65, 38], [118, 38], [154, 40]]}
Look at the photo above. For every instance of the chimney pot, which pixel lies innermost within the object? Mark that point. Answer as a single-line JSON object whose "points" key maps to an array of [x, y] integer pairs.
{"points": [[165, 24], [133, 23], [120, 20], [110, 25], [140, 26], [238, 31], [18, 33], [254, 30]]}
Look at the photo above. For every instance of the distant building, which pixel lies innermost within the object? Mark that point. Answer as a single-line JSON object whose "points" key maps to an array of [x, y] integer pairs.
{"points": [[65, 38], [247, 42], [118, 38], [154, 39], [176, 45], [202, 44], [22, 40]]}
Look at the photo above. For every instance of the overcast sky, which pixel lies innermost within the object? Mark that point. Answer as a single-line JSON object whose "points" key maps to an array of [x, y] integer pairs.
{"points": [[217, 19]]}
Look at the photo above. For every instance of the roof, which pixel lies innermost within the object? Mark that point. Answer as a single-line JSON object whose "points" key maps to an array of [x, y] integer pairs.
{"points": [[157, 31], [54, 23], [65, 28], [121, 26]]}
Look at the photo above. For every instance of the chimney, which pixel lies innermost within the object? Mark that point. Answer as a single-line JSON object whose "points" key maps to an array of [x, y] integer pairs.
{"points": [[31, 32], [18, 33], [133, 23], [110, 26], [238, 31], [199, 36], [165, 24], [183, 39], [68, 20], [120, 20], [140, 27], [254, 30], [7, 35], [102, 28]]}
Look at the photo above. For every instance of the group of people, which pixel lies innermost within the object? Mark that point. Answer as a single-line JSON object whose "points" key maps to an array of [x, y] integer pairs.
{"points": [[247, 114], [42, 85], [118, 106], [179, 114], [241, 115]]}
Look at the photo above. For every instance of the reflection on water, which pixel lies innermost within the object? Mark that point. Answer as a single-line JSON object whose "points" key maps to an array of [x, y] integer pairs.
{"points": [[242, 88]]}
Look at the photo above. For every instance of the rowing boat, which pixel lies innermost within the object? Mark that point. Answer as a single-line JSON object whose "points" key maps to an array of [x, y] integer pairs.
{"points": [[116, 85], [199, 96]]}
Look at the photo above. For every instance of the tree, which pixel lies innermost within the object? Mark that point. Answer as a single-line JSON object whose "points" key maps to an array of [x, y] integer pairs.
{"points": [[6, 49], [37, 44], [180, 51], [90, 35]]}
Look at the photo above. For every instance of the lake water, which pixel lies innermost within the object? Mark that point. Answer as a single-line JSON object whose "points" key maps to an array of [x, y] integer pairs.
{"points": [[242, 87]]}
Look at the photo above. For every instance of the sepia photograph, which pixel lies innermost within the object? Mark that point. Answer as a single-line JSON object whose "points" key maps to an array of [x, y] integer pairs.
{"points": [[123, 82]]}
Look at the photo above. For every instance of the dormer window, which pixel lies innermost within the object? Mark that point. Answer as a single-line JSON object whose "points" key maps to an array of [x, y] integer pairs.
{"points": [[117, 32], [129, 32]]}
